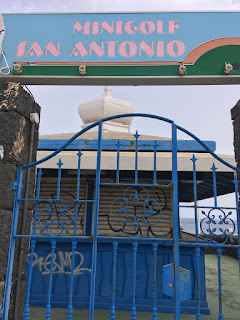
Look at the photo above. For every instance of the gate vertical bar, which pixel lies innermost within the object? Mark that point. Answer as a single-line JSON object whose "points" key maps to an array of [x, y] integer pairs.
{"points": [[70, 306], [48, 306], [8, 282], [79, 154], [95, 232], [214, 184], [118, 159], [26, 307], [197, 249], [59, 178], [197, 254], [39, 175], [154, 310], [155, 163], [194, 159], [175, 224], [136, 156], [113, 312], [220, 317], [133, 313], [236, 182]]}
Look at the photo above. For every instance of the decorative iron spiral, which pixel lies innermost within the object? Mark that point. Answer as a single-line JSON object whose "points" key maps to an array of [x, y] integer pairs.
{"points": [[217, 225], [135, 213]]}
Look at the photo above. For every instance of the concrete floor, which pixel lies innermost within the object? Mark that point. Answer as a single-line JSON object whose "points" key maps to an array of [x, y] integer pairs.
{"points": [[230, 297]]}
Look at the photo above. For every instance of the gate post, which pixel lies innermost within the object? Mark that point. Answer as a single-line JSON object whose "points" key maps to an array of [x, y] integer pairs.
{"points": [[16, 105], [95, 226], [175, 225], [235, 114]]}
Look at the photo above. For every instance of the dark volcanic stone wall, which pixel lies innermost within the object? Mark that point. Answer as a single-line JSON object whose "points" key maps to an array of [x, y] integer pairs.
{"points": [[16, 105], [235, 112]]}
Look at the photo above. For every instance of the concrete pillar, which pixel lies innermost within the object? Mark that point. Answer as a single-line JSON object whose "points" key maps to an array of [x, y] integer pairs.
{"points": [[16, 105]]}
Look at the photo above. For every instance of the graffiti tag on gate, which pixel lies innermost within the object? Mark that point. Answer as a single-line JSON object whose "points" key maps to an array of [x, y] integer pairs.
{"points": [[62, 263]]}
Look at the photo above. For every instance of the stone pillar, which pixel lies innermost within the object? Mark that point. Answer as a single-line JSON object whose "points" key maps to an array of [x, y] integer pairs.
{"points": [[16, 105], [235, 113]]}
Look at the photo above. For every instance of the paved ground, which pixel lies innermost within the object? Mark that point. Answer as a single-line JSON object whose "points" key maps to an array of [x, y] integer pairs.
{"points": [[230, 296]]}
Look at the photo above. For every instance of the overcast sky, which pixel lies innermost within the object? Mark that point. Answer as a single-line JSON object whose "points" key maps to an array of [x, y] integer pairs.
{"points": [[204, 110], [115, 5]]}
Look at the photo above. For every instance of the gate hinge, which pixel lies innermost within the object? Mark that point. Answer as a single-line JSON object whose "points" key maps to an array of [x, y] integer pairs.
{"points": [[14, 186]]}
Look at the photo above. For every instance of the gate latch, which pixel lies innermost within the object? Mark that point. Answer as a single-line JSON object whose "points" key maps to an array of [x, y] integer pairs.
{"points": [[185, 282]]}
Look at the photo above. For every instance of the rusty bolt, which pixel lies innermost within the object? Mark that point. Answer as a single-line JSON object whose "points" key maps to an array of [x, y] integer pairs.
{"points": [[182, 69], [82, 69], [17, 68], [228, 68]]}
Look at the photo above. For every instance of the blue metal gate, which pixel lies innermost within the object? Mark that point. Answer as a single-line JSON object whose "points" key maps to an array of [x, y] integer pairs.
{"points": [[55, 219]]}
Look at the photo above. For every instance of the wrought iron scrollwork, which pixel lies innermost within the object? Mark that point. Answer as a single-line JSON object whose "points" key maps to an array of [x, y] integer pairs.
{"points": [[135, 213], [217, 225], [56, 216]]}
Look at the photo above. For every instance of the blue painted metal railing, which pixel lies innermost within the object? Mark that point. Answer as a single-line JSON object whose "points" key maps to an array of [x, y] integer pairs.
{"points": [[55, 226], [126, 145]]}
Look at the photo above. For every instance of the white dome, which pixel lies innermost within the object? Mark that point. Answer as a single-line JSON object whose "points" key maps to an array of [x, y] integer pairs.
{"points": [[103, 107]]}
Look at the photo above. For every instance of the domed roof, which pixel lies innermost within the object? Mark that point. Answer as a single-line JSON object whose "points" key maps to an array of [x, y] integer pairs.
{"points": [[105, 106]]}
